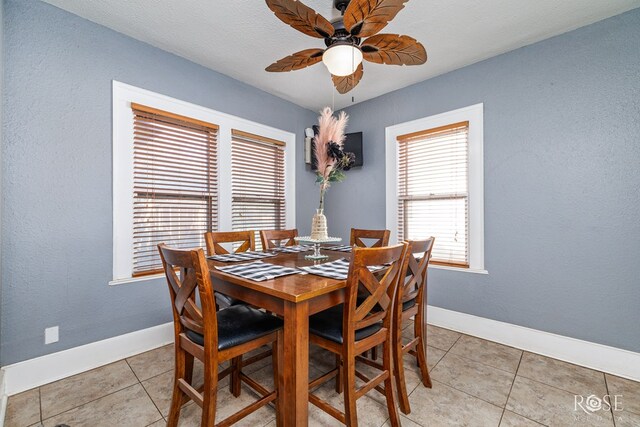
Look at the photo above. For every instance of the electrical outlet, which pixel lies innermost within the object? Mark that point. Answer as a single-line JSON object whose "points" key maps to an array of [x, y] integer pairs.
{"points": [[51, 335]]}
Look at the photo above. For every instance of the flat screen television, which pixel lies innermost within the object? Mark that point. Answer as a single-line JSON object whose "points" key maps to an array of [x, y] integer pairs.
{"points": [[352, 144]]}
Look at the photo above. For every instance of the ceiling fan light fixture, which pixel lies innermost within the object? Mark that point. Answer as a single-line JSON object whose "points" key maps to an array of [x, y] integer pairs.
{"points": [[342, 59]]}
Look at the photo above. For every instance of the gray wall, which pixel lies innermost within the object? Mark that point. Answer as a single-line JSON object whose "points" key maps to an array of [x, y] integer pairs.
{"points": [[57, 220], [562, 180], [1, 127]]}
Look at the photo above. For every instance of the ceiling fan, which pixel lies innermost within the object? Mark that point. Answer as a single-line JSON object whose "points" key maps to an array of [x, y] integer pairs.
{"points": [[349, 39]]}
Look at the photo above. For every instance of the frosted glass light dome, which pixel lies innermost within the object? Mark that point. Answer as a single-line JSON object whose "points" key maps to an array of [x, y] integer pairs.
{"points": [[342, 59]]}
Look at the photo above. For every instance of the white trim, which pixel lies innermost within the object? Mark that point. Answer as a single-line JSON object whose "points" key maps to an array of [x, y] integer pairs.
{"points": [[123, 96], [615, 361], [3, 399], [136, 279], [474, 114], [36, 372], [460, 269], [42, 370]]}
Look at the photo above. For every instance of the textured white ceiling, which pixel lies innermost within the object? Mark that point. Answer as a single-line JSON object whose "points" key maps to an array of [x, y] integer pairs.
{"points": [[240, 38]]}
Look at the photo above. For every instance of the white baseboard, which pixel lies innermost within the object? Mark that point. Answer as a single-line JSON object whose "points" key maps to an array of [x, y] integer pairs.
{"points": [[3, 399], [615, 361], [42, 370]]}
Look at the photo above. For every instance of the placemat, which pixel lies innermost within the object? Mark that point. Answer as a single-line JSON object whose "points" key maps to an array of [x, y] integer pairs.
{"points": [[338, 269], [241, 256], [258, 271], [291, 249]]}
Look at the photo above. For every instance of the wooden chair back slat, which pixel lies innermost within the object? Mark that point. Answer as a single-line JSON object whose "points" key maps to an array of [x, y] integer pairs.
{"points": [[194, 277], [376, 306], [213, 239], [273, 238], [416, 269], [381, 238]]}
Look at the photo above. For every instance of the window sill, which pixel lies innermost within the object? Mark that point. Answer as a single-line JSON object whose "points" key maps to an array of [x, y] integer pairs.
{"points": [[118, 282], [461, 269]]}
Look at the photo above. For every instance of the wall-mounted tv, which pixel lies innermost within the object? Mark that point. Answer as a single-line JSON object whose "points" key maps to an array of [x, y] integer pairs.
{"points": [[352, 144]]}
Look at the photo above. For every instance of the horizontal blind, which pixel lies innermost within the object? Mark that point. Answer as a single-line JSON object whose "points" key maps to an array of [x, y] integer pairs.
{"points": [[258, 183], [175, 184], [433, 185]]}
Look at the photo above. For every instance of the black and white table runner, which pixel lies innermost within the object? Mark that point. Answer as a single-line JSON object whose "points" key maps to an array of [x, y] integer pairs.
{"points": [[292, 249], [338, 248], [241, 256], [338, 269], [258, 271]]}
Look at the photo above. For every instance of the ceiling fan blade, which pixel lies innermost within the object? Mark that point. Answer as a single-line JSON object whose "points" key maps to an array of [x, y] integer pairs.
{"points": [[297, 61], [301, 17], [364, 18], [393, 49], [346, 83]]}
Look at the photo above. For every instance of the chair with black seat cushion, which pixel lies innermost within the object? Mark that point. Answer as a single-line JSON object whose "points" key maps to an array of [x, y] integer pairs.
{"points": [[380, 237], [273, 238], [214, 240], [358, 325], [411, 301], [212, 337]]}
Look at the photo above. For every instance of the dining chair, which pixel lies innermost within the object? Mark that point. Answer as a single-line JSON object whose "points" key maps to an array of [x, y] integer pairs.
{"points": [[358, 325], [273, 238], [381, 237], [212, 337], [410, 301], [214, 239]]}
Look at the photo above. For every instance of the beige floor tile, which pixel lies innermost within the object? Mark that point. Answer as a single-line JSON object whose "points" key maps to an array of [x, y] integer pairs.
{"points": [[551, 406], [476, 379], [370, 412], [260, 363], [23, 409], [152, 363], [77, 390], [433, 357], [626, 419], [130, 407], [227, 404], [441, 338], [159, 389], [511, 419], [445, 406], [404, 421], [562, 375], [488, 352], [159, 423], [321, 359], [628, 391], [412, 380]]}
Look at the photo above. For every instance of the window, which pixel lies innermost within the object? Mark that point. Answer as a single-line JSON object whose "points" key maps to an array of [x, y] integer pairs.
{"points": [[435, 185], [433, 190], [258, 182], [175, 184], [180, 169]]}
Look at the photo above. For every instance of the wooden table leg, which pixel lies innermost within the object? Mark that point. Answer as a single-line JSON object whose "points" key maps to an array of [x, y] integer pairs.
{"points": [[293, 380]]}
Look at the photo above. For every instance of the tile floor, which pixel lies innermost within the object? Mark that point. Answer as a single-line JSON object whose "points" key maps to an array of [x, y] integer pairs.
{"points": [[475, 383]]}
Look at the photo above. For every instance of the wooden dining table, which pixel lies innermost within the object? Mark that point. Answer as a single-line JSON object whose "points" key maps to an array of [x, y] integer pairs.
{"points": [[295, 298]]}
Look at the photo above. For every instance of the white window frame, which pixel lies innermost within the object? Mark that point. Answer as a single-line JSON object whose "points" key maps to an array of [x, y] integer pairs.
{"points": [[474, 114], [123, 96]]}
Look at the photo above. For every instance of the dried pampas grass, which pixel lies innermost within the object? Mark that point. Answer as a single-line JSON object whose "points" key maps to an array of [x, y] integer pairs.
{"points": [[331, 129]]}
